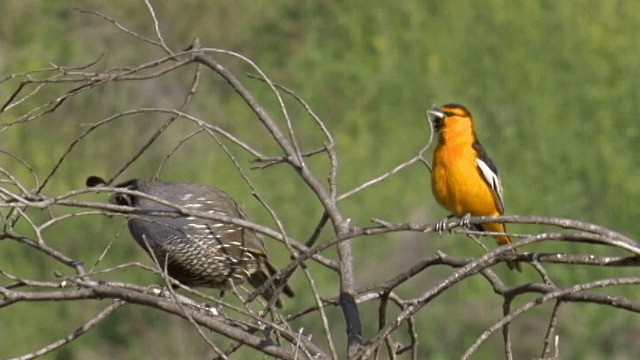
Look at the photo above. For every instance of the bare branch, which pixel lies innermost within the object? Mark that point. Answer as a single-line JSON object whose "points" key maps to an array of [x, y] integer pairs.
{"points": [[558, 294], [34, 210], [77, 333], [551, 329], [120, 27], [157, 28]]}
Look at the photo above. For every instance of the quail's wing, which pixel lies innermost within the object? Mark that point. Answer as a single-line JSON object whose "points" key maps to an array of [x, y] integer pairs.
{"points": [[228, 238]]}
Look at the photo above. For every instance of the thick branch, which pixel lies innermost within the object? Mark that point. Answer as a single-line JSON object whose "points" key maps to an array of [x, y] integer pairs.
{"points": [[217, 324]]}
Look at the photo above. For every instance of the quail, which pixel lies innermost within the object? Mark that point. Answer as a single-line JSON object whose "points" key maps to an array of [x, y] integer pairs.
{"points": [[198, 252]]}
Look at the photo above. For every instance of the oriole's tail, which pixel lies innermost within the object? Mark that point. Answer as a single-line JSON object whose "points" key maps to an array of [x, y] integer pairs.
{"points": [[502, 240]]}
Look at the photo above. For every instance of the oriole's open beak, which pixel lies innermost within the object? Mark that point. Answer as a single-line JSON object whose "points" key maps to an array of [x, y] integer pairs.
{"points": [[436, 117]]}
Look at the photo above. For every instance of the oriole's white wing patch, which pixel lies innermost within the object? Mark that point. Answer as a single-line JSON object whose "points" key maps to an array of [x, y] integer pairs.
{"points": [[493, 179]]}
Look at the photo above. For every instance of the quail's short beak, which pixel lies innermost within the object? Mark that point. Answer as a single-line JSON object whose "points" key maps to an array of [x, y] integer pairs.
{"points": [[436, 116]]}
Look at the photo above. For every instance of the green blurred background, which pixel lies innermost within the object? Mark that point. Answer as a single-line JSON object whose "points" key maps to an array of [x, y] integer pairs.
{"points": [[554, 88]]}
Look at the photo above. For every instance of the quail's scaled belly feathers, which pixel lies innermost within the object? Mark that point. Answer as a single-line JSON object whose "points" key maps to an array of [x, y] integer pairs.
{"points": [[196, 251]]}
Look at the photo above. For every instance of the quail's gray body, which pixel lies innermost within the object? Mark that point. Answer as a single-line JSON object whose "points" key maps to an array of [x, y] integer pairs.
{"points": [[196, 251]]}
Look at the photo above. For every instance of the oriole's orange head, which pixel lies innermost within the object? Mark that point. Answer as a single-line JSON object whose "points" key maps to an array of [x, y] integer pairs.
{"points": [[453, 122]]}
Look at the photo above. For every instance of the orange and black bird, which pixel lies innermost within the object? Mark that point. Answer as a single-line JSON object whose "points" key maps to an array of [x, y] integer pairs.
{"points": [[464, 179]]}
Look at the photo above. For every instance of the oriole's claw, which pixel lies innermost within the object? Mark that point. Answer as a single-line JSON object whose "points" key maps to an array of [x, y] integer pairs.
{"points": [[464, 221], [440, 226]]}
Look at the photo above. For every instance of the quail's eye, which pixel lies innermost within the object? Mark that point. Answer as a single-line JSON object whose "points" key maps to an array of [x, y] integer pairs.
{"points": [[123, 199]]}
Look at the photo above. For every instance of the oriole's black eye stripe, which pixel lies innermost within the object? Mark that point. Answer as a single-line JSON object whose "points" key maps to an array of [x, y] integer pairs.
{"points": [[450, 114]]}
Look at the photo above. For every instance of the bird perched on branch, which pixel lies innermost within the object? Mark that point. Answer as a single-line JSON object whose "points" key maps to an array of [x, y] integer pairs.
{"points": [[464, 179], [196, 251]]}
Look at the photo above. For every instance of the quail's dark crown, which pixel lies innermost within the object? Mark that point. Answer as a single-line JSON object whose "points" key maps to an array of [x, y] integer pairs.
{"points": [[195, 196]]}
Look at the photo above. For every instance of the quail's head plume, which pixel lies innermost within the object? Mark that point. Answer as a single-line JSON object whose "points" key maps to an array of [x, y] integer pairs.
{"points": [[195, 251]]}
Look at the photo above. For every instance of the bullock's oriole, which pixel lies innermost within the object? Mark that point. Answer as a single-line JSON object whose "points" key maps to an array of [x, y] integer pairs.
{"points": [[464, 179]]}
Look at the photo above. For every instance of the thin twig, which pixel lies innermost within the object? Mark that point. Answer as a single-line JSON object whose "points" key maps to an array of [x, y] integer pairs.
{"points": [[559, 294], [551, 330], [86, 327]]}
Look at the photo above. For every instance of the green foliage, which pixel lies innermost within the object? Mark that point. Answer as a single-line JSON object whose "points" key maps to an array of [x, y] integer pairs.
{"points": [[553, 87]]}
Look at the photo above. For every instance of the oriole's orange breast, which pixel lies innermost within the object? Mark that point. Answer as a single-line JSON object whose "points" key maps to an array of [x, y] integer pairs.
{"points": [[458, 184]]}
